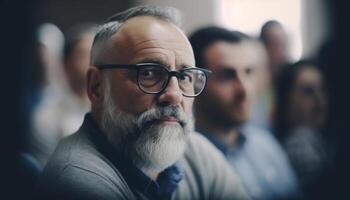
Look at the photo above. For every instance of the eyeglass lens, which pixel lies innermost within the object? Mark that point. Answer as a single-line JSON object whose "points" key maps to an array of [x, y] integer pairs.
{"points": [[153, 79]]}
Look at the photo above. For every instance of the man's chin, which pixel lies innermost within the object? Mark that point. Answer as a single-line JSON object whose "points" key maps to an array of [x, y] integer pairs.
{"points": [[239, 119], [157, 150]]}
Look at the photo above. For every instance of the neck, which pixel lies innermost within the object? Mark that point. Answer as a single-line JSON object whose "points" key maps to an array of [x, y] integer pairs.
{"points": [[226, 134]]}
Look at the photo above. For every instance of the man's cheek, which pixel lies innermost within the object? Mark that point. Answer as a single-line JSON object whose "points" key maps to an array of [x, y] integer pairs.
{"points": [[188, 105], [137, 103]]}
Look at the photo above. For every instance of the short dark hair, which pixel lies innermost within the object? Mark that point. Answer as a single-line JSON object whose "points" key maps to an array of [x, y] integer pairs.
{"points": [[204, 37], [267, 25]]}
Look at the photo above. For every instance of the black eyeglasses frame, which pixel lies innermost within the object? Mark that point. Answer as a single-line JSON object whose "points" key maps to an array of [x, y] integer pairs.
{"points": [[171, 73]]}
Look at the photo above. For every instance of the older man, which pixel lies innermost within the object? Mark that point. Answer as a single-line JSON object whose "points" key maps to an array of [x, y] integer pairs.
{"points": [[138, 141]]}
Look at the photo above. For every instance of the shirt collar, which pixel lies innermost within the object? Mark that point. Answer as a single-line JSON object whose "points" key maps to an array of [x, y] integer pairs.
{"points": [[162, 188], [224, 148]]}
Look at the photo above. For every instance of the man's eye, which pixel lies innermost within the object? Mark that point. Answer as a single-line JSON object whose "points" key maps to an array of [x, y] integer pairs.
{"points": [[186, 77], [147, 74], [152, 76], [249, 71]]}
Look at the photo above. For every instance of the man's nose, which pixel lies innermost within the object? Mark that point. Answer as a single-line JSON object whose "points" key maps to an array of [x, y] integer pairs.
{"points": [[241, 86], [172, 94]]}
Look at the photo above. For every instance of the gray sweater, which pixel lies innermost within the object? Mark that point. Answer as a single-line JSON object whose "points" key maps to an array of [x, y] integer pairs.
{"points": [[78, 170]]}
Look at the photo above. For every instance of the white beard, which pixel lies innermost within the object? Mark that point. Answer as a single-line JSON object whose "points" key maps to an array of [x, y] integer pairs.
{"points": [[151, 148], [158, 147]]}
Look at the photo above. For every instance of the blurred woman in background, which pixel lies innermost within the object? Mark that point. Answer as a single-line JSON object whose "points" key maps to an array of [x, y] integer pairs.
{"points": [[300, 119]]}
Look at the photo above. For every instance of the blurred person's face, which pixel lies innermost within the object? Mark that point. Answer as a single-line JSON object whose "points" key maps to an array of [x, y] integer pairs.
{"points": [[227, 99], [78, 63], [307, 99], [153, 128], [277, 47]]}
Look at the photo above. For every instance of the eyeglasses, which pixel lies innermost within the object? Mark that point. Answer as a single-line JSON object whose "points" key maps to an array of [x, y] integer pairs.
{"points": [[153, 78]]}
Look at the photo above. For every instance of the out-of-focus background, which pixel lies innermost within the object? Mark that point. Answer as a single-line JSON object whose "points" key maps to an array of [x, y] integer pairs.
{"points": [[308, 22], [44, 54]]}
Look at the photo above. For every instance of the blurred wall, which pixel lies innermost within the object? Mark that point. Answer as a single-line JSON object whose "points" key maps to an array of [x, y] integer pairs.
{"points": [[315, 25], [66, 13]]}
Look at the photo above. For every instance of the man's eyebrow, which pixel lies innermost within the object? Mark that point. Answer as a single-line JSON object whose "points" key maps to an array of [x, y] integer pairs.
{"points": [[183, 67], [250, 66], [153, 60], [162, 62]]}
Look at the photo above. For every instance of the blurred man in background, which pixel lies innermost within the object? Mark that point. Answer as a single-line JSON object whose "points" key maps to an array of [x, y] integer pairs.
{"points": [[76, 64], [138, 141], [64, 101], [224, 108], [275, 39]]}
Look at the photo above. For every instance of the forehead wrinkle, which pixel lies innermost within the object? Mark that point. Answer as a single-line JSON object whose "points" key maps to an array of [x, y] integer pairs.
{"points": [[153, 44], [145, 41], [151, 48], [175, 52], [157, 43], [163, 56], [179, 50]]}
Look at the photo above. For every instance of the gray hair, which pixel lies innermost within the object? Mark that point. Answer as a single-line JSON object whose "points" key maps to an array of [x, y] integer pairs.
{"points": [[113, 24]]}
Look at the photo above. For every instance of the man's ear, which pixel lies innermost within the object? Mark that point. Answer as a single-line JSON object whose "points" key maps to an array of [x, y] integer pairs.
{"points": [[94, 86]]}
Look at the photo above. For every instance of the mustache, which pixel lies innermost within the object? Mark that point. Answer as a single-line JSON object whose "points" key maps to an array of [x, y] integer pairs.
{"points": [[159, 112]]}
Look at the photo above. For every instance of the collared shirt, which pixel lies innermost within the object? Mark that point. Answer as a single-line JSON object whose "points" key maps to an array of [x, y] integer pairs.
{"points": [[261, 164], [144, 187]]}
